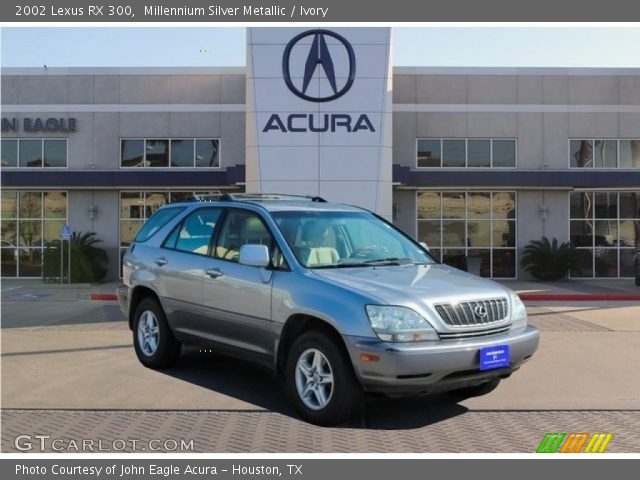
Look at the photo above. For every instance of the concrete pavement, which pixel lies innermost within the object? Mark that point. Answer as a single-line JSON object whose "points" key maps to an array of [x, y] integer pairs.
{"points": [[68, 361]]}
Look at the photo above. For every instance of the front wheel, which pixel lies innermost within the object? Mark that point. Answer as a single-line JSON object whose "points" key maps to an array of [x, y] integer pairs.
{"points": [[320, 380], [155, 345]]}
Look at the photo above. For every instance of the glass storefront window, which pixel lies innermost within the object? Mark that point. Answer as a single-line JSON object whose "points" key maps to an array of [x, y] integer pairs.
{"points": [[170, 152], [55, 153], [132, 153], [429, 153], [55, 204], [429, 205], [30, 153], [207, 153], [604, 153], [9, 156], [479, 153], [604, 227], [157, 153], [466, 152], [472, 230], [29, 221], [629, 154], [9, 204], [182, 153], [34, 153], [453, 153], [504, 153]]}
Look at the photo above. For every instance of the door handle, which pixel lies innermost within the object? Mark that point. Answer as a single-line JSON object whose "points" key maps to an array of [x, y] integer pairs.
{"points": [[161, 261], [213, 272]]}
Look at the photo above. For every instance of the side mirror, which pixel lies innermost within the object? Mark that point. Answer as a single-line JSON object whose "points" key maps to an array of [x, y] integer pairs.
{"points": [[425, 246], [254, 255]]}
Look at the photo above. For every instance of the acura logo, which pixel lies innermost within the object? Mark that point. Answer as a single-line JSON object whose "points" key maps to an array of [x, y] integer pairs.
{"points": [[480, 311], [318, 57]]}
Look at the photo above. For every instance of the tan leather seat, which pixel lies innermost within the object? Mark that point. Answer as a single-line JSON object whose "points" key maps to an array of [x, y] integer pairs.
{"points": [[313, 249], [314, 256]]}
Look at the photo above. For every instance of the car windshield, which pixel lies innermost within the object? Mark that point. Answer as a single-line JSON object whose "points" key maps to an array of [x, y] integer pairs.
{"points": [[337, 239]]}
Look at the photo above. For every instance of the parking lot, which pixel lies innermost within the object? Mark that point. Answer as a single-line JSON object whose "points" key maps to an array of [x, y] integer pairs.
{"points": [[69, 371]]}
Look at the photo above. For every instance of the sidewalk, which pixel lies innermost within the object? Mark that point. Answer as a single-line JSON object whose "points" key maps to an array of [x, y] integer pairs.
{"points": [[23, 288], [563, 290]]}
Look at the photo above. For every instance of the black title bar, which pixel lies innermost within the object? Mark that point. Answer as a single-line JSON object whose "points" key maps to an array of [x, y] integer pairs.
{"points": [[317, 11]]}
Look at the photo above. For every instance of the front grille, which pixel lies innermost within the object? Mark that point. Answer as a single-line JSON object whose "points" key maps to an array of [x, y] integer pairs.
{"points": [[469, 314], [473, 334]]}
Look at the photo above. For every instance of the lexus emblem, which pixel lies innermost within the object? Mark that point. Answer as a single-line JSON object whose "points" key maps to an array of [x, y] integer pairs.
{"points": [[480, 311], [319, 57]]}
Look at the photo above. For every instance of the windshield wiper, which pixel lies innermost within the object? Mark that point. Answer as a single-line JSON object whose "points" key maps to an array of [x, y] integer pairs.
{"points": [[342, 265], [374, 262], [388, 261]]}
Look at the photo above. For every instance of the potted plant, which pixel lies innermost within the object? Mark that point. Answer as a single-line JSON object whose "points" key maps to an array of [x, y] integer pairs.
{"points": [[547, 260]]}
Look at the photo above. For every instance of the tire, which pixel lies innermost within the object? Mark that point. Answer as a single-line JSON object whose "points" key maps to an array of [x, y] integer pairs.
{"points": [[342, 396], [164, 352], [478, 390], [638, 281]]}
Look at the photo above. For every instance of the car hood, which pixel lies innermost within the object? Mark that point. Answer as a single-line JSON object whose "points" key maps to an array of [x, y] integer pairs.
{"points": [[414, 284]]}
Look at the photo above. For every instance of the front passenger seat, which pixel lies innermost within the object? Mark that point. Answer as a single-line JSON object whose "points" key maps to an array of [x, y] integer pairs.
{"points": [[311, 251]]}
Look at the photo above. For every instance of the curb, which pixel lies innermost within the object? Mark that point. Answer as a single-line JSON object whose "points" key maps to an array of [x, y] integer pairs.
{"points": [[104, 296], [580, 297]]}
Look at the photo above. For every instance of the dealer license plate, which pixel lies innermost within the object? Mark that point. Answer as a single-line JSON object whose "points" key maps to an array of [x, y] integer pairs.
{"points": [[496, 356]]}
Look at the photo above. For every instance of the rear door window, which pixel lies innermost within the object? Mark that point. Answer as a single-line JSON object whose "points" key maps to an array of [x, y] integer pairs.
{"points": [[156, 222], [193, 235]]}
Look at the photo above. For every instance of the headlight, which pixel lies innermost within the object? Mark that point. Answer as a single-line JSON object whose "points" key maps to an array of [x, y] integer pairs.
{"points": [[399, 324], [519, 313]]}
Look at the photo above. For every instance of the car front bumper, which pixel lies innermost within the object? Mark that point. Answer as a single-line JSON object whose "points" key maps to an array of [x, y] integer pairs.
{"points": [[429, 367]]}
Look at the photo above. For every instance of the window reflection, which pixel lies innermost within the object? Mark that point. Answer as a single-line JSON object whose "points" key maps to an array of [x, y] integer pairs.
{"points": [[473, 231], [605, 228], [29, 221]]}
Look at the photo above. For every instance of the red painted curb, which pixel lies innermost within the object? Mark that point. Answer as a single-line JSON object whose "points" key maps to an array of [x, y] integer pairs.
{"points": [[104, 296], [579, 297]]}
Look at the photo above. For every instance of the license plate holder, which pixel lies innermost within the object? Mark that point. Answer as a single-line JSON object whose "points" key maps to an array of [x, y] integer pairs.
{"points": [[496, 356]]}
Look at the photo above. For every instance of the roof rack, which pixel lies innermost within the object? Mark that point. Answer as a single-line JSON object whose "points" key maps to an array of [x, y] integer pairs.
{"points": [[247, 197]]}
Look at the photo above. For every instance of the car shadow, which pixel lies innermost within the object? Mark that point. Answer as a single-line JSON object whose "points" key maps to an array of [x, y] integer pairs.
{"points": [[258, 386]]}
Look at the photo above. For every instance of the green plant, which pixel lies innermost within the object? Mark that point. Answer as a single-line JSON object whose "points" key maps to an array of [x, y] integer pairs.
{"points": [[88, 261], [546, 260]]}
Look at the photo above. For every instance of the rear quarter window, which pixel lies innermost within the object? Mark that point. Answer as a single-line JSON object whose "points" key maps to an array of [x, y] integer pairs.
{"points": [[156, 222]]}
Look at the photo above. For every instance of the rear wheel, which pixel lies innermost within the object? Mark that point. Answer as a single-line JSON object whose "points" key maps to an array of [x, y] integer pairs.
{"points": [[320, 380], [478, 390], [155, 345]]}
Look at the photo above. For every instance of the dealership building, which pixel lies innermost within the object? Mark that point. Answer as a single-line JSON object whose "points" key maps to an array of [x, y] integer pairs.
{"points": [[476, 162]]}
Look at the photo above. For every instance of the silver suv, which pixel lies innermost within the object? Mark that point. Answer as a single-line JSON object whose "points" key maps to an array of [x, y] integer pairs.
{"points": [[333, 298]]}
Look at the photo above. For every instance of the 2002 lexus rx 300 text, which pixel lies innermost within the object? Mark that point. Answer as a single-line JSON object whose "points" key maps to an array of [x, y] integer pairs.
{"points": [[332, 297]]}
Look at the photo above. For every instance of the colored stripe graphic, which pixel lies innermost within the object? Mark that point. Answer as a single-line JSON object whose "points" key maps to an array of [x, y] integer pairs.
{"points": [[574, 442], [581, 442], [550, 443], [598, 443], [560, 442]]}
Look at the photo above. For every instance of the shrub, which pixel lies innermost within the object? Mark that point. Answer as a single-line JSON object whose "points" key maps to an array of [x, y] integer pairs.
{"points": [[88, 261], [546, 260]]}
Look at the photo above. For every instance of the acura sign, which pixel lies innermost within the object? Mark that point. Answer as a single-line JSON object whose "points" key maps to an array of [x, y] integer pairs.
{"points": [[319, 114], [319, 60], [319, 56]]}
